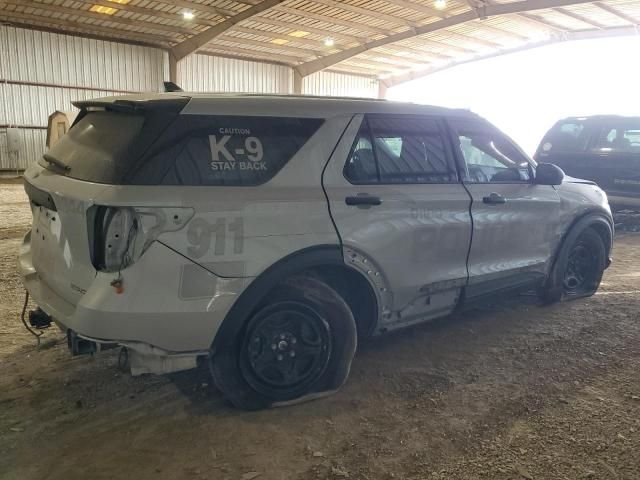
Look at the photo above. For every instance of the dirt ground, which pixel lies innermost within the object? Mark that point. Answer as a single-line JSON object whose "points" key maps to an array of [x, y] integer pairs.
{"points": [[508, 391]]}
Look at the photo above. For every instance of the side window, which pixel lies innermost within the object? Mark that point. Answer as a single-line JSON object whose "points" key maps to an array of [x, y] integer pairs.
{"points": [[621, 137], [361, 168], [398, 149], [489, 156], [226, 150]]}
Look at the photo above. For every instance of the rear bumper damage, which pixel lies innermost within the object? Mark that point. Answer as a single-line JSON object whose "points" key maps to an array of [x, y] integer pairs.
{"points": [[158, 317]]}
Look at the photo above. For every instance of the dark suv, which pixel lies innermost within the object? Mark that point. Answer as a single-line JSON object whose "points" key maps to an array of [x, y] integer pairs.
{"points": [[603, 148]]}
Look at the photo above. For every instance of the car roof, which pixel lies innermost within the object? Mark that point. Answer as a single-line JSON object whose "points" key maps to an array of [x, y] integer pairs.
{"points": [[279, 105], [601, 117]]}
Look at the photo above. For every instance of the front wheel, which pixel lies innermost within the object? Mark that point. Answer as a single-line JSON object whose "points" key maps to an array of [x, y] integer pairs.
{"points": [[297, 345], [579, 268]]}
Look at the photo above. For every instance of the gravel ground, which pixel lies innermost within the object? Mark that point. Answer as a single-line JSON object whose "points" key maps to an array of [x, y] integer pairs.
{"points": [[507, 391]]}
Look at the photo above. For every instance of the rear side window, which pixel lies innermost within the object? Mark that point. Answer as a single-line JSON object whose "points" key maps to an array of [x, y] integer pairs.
{"points": [[392, 150], [620, 136], [565, 137], [225, 150]]}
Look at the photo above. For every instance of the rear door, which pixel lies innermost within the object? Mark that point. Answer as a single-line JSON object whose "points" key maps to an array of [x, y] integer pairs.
{"points": [[615, 155], [515, 222], [401, 213]]}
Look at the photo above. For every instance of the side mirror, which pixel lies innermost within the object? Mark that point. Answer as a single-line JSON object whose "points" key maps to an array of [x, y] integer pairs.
{"points": [[548, 174]]}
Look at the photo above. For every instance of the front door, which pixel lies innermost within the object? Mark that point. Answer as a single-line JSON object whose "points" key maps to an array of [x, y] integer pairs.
{"points": [[401, 213], [516, 223]]}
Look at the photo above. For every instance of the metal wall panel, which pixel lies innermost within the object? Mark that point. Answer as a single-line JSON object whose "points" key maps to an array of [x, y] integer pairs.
{"points": [[32, 148], [340, 85], [43, 57], [206, 73], [96, 68]]}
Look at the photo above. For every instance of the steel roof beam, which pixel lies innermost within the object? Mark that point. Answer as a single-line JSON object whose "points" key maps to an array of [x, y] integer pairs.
{"points": [[158, 27], [490, 11], [580, 18], [114, 34], [194, 43], [617, 13]]}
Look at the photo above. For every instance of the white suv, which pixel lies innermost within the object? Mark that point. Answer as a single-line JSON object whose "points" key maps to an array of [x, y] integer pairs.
{"points": [[267, 234]]}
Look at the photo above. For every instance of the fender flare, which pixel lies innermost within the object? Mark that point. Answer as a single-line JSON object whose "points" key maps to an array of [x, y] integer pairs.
{"points": [[251, 297], [586, 220]]}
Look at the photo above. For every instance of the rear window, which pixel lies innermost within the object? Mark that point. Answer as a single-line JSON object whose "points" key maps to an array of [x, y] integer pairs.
{"points": [[95, 149], [224, 150], [566, 136], [105, 145]]}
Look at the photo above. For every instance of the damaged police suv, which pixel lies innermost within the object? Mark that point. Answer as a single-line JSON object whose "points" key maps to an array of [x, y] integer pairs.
{"points": [[267, 235]]}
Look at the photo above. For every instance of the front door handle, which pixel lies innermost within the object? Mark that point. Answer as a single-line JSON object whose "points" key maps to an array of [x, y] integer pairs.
{"points": [[363, 200], [494, 199]]}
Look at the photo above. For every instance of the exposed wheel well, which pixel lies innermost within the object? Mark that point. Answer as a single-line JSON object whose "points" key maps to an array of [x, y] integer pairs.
{"points": [[356, 291]]}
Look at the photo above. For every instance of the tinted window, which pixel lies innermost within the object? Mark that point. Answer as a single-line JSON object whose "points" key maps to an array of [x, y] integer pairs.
{"points": [[399, 150], [225, 150], [361, 166], [103, 146], [621, 136], [566, 136], [489, 156]]}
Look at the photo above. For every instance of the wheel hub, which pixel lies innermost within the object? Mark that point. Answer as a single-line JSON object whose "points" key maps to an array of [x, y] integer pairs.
{"points": [[579, 268], [289, 348]]}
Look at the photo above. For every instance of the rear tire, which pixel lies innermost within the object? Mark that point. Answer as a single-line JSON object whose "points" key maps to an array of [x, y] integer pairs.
{"points": [[578, 269], [297, 345]]}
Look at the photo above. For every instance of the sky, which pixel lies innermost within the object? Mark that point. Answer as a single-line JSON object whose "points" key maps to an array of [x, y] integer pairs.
{"points": [[525, 93]]}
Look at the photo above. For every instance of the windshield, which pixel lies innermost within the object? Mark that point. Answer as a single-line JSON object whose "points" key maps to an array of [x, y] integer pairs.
{"points": [[566, 136]]}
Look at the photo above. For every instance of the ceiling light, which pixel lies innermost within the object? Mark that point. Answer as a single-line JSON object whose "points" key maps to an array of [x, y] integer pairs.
{"points": [[299, 34], [121, 2], [279, 41], [101, 9], [329, 42], [440, 4], [188, 15]]}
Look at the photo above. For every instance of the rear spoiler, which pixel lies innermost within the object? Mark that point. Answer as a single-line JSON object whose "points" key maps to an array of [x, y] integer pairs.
{"points": [[171, 102]]}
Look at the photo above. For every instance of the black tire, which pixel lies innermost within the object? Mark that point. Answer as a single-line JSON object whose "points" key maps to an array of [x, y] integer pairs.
{"points": [[304, 316], [578, 269]]}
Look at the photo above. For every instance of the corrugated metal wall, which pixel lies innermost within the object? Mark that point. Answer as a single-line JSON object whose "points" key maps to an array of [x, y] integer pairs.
{"points": [[41, 72], [72, 68], [339, 85], [206, 73]]}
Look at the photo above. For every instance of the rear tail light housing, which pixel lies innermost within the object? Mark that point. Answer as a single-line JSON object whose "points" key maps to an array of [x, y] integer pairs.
{"points": [[119, 236]]}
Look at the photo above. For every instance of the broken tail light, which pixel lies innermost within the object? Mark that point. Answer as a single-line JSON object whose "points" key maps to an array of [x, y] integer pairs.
{"points": [[119, 236]]}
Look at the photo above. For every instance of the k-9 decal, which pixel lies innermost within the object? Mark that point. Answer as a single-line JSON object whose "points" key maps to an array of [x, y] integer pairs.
{"points": [[201, 234], [236, 152]]}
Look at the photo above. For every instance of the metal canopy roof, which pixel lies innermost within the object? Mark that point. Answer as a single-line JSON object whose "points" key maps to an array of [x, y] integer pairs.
{"points": [[394, 40]]}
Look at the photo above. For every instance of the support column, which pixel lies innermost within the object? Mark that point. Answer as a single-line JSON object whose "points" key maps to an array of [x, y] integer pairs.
{"points": [[297, 82], [173, 68], [382, 89]]}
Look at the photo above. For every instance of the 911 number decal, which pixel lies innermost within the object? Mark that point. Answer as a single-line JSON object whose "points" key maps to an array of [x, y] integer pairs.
{"points": [[201, 233]]}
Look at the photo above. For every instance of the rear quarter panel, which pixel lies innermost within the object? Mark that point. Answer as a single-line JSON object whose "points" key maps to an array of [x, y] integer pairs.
{"points": [[240, 231]]}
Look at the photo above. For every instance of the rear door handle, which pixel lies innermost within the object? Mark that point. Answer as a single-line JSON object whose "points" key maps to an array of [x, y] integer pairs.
{"points": [[363, 200], [494, 199]]}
